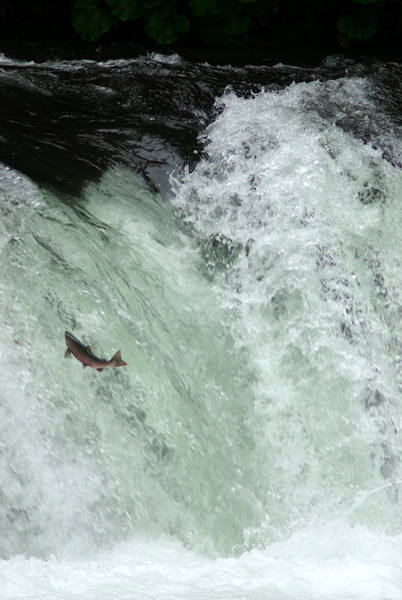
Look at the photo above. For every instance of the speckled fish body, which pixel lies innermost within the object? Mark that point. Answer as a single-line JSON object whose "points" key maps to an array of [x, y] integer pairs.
{"points": [[85, 355]]}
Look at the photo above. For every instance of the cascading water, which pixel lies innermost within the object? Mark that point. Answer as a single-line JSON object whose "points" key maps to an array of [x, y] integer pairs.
{"points": [[251, 447], [311, 283], [145, 449]]}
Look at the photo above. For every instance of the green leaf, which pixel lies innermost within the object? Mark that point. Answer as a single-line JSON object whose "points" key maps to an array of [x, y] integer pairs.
{"points": [[344, 40], [360, 27], [229, 8], [199, 8], [181, 23], [164, 26], [151, 3], [260, 8], [236, 25], [126, 10], [90, 20], [212, 32]]}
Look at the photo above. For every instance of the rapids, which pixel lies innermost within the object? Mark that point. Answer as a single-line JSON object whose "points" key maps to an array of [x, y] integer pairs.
{"points": [[235, 231]]}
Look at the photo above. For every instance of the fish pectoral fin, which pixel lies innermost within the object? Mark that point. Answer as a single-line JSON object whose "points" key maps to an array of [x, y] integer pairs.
{"points": [[68, 352], [89, 348], [99, 370], [84, 366]]}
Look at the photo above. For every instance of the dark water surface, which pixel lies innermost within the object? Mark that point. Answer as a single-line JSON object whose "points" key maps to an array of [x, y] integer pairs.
{"points": [[69, 114]]}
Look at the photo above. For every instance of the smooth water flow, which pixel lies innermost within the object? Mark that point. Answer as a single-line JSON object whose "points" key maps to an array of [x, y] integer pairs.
{"points": [[252, 446], [134, 450]]}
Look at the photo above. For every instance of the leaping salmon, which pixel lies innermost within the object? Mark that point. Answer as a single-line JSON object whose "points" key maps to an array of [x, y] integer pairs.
{"points": [[85, 355]]}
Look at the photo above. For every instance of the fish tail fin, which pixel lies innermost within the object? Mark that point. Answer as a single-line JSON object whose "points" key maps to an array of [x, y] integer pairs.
{"points": [[118, 360], [67, 354]]}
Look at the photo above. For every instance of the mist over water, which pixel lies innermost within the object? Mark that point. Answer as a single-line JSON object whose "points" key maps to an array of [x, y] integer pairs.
{"points": [[251, 447]]}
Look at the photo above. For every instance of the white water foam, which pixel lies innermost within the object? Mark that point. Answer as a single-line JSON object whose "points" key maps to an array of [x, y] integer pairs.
{"points": [[334, 562], [293, 192]]}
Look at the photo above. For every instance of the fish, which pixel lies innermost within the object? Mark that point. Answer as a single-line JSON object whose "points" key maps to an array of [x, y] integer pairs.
{"points": [[85, 355]]}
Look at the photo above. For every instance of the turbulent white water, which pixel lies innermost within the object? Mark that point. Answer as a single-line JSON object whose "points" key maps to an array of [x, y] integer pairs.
{"points": [[314, 294], [251, 447]]}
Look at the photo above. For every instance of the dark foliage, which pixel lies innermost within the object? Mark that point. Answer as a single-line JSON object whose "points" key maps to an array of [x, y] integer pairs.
{"points": [[231, 23]]}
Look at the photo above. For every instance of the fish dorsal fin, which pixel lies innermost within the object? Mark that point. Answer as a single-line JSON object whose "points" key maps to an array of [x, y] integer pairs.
{"points": [[89, 348], [68, 352]]}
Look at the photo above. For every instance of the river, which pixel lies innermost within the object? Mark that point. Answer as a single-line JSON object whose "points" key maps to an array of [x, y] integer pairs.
{"points": [[236, 231]]}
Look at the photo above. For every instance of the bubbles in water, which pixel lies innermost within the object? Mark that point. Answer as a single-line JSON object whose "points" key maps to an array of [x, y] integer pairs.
{"points": [[292, 216]]}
